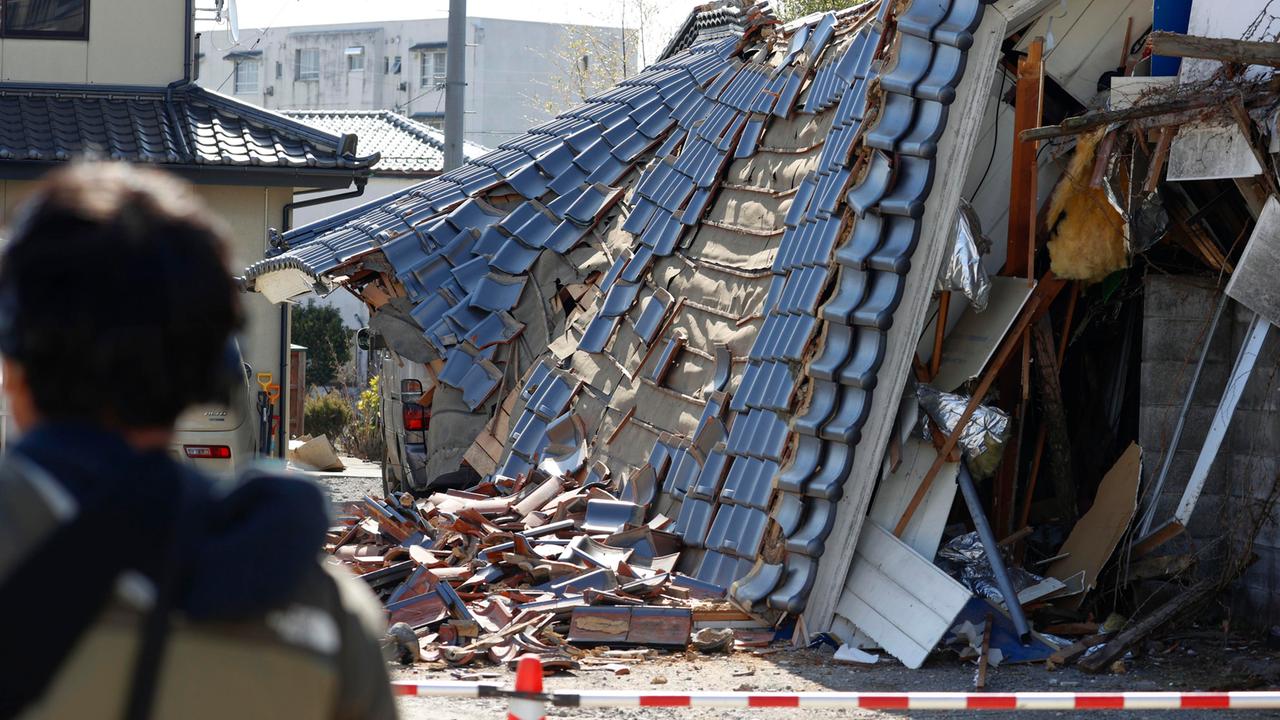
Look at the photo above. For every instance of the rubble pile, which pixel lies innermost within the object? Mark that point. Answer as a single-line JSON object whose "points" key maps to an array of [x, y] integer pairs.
{"points": [[546, 566], [790, 373]]}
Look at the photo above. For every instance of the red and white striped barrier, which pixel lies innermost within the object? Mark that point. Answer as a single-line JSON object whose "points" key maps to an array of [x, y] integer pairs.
{"points": [[531, 703], [527, 699]]}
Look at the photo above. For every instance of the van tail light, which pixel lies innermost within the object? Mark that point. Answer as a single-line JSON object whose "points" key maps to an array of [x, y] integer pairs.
{"points": [[207, 452], [411, 386], [416, 417]]}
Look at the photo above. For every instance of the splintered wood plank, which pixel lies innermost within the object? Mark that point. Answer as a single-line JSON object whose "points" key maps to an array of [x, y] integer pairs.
{"points": [[955, 151]]}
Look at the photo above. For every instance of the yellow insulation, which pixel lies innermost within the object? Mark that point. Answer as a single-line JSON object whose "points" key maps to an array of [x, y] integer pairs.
{"points": [[1086, 234]]}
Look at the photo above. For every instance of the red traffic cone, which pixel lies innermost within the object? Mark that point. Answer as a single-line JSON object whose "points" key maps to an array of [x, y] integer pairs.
{"points": [[528, 680]]}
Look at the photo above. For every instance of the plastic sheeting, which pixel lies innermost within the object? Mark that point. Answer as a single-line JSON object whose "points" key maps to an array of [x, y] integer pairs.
{"points": [[963, 270], [965, 559]]}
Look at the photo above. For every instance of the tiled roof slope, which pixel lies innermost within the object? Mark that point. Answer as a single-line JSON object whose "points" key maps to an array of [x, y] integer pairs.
{"points": [[188, 126], [757, 202], [406, 147]]}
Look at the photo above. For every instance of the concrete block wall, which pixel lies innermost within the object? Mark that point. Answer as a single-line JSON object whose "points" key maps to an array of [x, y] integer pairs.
{"points": [[1177, 313]]}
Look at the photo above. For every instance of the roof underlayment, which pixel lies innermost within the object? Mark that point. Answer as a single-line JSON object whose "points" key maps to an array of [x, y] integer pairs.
{"points": [[738, 224]]}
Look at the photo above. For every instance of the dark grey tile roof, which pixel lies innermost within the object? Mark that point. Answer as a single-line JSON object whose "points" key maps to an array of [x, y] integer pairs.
{"points": [[190, 126], [406, 147], [712, 21], [753, 486]]}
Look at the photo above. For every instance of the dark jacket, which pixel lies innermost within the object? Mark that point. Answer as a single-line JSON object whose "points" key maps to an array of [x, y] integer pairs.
{"points": [[94, 536]]}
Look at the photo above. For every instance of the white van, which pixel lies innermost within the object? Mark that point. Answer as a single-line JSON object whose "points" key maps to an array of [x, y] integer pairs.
{"points": [[220, 439]]}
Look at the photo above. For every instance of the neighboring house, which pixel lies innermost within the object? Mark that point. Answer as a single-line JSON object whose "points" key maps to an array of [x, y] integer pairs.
{"points": [[513, 70], [408, 152], [112, 80]]}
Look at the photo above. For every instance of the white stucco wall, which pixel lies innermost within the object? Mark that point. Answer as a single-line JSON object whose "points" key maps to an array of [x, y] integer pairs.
{"points": [[119, 30], [248, 212]]}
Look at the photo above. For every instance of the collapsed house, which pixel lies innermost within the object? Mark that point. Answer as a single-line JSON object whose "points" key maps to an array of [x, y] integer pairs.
{"points": [[745, 329]]}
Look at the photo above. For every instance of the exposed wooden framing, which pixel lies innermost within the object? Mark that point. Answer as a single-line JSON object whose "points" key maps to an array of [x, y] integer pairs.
{"points": [[1156, 170], [940, 329], [1191, 97], [1100, 159], [1041, 297], [1124, 49], [1043, 437], [1066, 322], [1240, 52], [1054, 419], [1246, 126], [1022, 187], [1156, 538], [955, 152], [1020, 259]]}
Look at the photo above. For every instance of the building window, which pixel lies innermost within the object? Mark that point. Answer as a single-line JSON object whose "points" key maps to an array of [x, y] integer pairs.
{"points": [[306, 63], [279, 70], [49, 19], [247, 76], [435, 67], [355, 58], [395, 66]]}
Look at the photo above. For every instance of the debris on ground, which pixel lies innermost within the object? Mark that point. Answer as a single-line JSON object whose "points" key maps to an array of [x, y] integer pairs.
{"points": [[833, 399]]}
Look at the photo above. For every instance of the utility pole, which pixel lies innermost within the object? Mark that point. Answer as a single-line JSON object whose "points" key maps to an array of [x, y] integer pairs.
{"points": [[455, 84]]}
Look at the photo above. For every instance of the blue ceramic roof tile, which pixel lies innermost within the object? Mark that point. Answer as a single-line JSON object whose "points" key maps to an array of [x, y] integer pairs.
{"points": [[661, 143]]}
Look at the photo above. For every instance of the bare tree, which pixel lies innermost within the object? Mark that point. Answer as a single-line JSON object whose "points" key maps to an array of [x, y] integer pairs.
{"points": [[592, 59], [792, 9]]}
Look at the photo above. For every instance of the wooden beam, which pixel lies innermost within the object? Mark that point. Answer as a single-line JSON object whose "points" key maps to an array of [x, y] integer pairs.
{"points": [[1054, 417], [1191, 598], [940, 329], [1240, 52], [1022, 173], [1043, 295], [1189, 97], [1156, 538], [1043, 437], [1156, 170], [1246, 126]]}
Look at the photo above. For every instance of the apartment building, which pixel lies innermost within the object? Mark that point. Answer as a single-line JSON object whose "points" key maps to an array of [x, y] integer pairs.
{"points": [[518, 73]]}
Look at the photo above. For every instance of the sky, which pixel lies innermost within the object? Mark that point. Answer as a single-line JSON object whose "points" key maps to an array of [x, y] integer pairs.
{"points": [[663, 17]]}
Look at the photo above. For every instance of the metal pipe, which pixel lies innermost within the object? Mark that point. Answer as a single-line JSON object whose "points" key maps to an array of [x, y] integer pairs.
{"points": [[455, 84], [286, 221], [974, 503], [1153, 493], [190, 30]]}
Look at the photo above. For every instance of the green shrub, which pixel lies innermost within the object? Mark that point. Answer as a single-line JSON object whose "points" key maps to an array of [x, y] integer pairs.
{"points": [[327, 414], [364, 434]]}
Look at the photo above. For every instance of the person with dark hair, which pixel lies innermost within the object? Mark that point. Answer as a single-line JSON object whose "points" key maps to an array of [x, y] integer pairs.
{"points": [[131, 585]]}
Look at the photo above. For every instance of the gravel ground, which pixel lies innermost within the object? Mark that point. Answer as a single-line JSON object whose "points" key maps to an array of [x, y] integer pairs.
{"points": [[1211, 667], [360, 478], [1185, 665]]}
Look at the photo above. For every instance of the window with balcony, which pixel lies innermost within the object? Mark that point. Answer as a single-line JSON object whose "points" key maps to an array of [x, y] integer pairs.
{"points": [[306, 64], [45, 19], [246, 80], [435, 67]]}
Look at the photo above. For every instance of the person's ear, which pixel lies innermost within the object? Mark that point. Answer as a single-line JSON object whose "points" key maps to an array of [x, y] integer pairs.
{"points": [[17, 392]]}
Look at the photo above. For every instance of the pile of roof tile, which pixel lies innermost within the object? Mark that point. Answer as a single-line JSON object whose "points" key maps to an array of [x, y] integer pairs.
{"points": [[509, 568]]}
